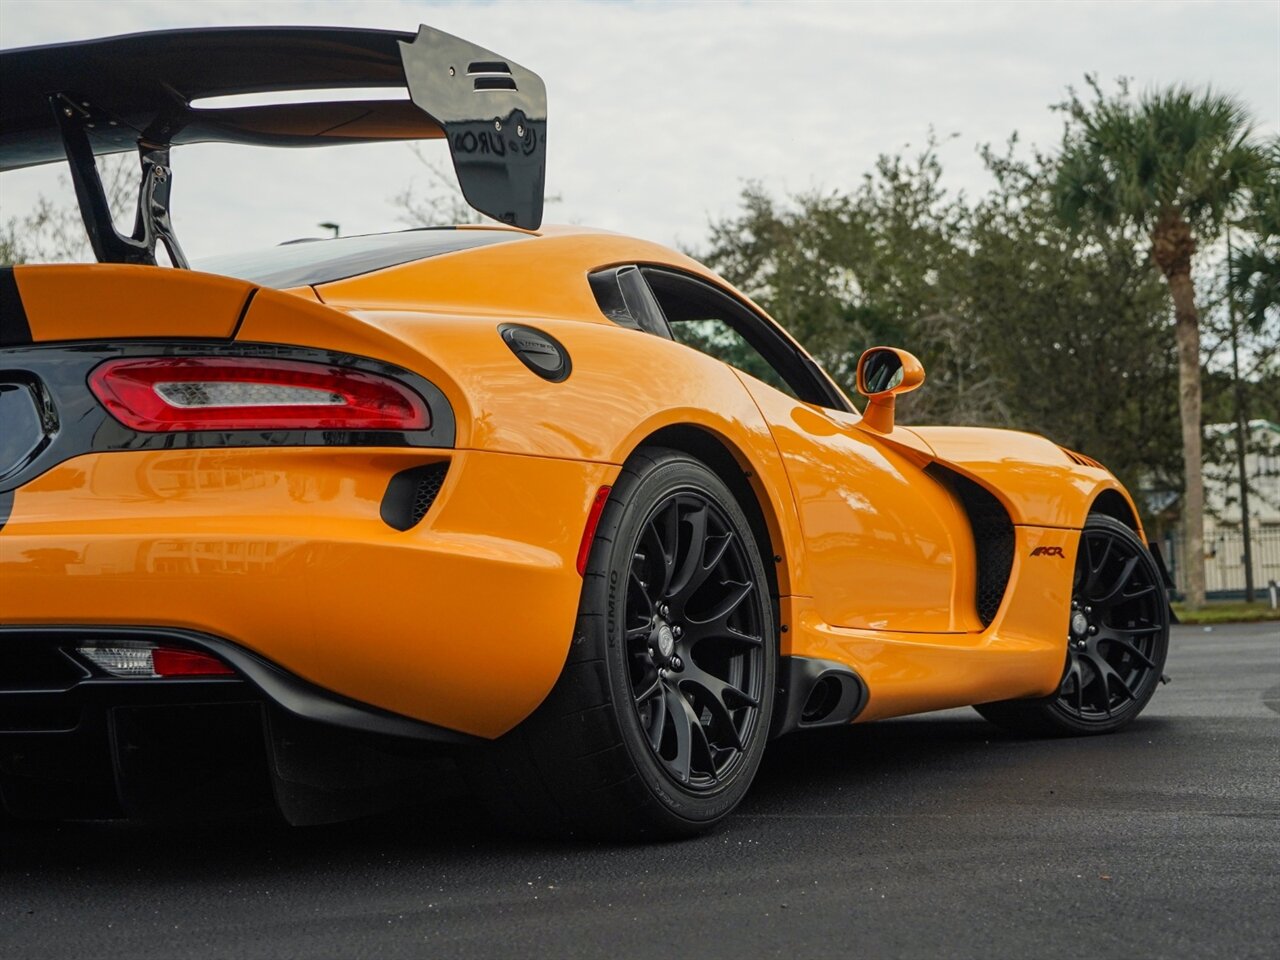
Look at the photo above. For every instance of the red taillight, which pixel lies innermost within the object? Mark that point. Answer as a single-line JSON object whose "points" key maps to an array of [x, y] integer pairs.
{"points": [[167, 662], [240, 393], [589, 532], [140, 660]]}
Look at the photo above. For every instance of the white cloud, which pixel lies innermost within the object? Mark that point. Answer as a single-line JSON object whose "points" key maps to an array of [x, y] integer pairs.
{"points": [[660, 111]]}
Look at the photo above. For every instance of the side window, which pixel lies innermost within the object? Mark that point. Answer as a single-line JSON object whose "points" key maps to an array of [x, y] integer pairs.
{"points": [[709, 319], [691, 311], [714, 337]]}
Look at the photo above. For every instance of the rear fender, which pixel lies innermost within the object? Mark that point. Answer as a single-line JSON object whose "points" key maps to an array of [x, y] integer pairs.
{"points": [[112, 301]]}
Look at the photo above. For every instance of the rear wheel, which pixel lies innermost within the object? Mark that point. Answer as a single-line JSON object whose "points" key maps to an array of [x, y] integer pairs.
{"points": [[1117, 639], [659, 720]]}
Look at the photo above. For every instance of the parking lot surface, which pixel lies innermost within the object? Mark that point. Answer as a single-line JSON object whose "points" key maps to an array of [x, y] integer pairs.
{"points": [[932, 836]]}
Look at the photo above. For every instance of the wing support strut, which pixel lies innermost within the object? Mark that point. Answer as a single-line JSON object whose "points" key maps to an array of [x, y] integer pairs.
{"points": [[152, 222]]}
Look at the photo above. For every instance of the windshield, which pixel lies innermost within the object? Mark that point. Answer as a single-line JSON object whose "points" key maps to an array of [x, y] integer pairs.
{"points": [[307, 262]]}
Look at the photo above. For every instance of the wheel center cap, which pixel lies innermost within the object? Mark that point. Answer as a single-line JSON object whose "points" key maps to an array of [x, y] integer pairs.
{"points": [[1079, 623], [666, 642]]}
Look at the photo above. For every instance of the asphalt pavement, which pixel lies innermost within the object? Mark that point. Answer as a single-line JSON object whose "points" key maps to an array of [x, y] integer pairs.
{"points": [[934, 836]]}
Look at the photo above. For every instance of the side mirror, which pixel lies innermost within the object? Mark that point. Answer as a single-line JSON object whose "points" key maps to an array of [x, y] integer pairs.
{"points": [[883, 373]]}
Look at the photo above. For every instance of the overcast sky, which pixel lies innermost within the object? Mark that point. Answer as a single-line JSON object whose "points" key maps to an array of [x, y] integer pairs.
{"points": [[659, 112]]}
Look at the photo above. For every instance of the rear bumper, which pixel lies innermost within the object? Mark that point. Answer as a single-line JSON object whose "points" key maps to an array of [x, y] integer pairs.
{"points": [[76, 742], [462, 621]]}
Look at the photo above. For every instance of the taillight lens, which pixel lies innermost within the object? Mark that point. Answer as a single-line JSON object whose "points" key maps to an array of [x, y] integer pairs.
{"points": [[143, 660], [159, 395], [187, 663]]}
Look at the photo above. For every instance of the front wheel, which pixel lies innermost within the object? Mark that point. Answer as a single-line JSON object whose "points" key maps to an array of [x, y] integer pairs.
{"points": [[1117, 639], [659, 720]]}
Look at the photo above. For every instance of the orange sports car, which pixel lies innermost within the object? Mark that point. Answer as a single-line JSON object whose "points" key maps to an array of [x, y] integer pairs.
{"points": [[306, 525]]}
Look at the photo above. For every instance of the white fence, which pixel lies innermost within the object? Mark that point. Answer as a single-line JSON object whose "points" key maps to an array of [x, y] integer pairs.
{"points": [[1224, 560]]}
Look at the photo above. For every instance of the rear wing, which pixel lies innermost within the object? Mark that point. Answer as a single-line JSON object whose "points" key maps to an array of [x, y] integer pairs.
{"points": [[135, 92]]}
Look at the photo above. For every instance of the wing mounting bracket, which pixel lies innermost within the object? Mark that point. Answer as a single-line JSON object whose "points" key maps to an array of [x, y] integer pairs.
{"points": [[152, 222]]}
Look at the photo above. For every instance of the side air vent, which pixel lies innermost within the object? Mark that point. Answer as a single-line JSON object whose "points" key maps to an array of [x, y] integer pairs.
{"points": [[411, 493], [992, 539], [490, 75]]}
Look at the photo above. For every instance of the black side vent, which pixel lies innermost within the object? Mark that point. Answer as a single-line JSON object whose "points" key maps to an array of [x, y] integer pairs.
{"points": [[411, 493], [992, 538], [490, 75], [1081, 460]]}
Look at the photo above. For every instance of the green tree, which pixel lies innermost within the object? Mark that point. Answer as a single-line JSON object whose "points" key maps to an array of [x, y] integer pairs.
{"points": [[53, 232], [1074, 326], [1020, 321], [1255, 267], [876, 265], [1171, 165]]}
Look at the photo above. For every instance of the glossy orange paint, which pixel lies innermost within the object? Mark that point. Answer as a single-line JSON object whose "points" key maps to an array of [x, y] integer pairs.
{"points": [[465, 620], [75, 301], [462, 621], [887, 548], [626, 386], [1034, 479]]}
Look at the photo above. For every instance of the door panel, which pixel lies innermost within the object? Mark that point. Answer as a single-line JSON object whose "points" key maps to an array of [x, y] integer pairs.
{"points": [[886, 545]]}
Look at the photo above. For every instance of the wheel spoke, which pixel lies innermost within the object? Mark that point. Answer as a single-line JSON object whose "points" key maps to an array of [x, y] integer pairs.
{"points": [[1134, 631], [723, 608], [653, 688], [652, 540], [691, 565], [1112, 675], [1096, 568], [716, 690], [1092, 685], [1078, 672], [657, 723], [700, 756], [641, 585], [1073, 684], [717, 547], [679, 711], [702, 748], [1107, 676], [1132, 650], [1119, 584]]}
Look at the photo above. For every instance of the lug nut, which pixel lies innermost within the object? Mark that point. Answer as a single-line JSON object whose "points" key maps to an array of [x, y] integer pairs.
{"points": [[677, 663], [677, 632], [664, 610], [1093, 629]]}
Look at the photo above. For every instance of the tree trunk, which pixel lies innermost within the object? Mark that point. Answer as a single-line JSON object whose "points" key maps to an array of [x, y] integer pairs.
{"points": [[1188, 334]]}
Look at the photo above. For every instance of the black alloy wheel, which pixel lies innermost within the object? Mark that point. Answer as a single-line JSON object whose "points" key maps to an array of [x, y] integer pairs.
{"points": [[659, 720], [1117, 639], [694, 639]]}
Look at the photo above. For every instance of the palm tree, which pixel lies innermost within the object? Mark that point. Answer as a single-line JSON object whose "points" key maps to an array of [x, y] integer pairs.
{"points": [[1255, 268], [1169, 166]]}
